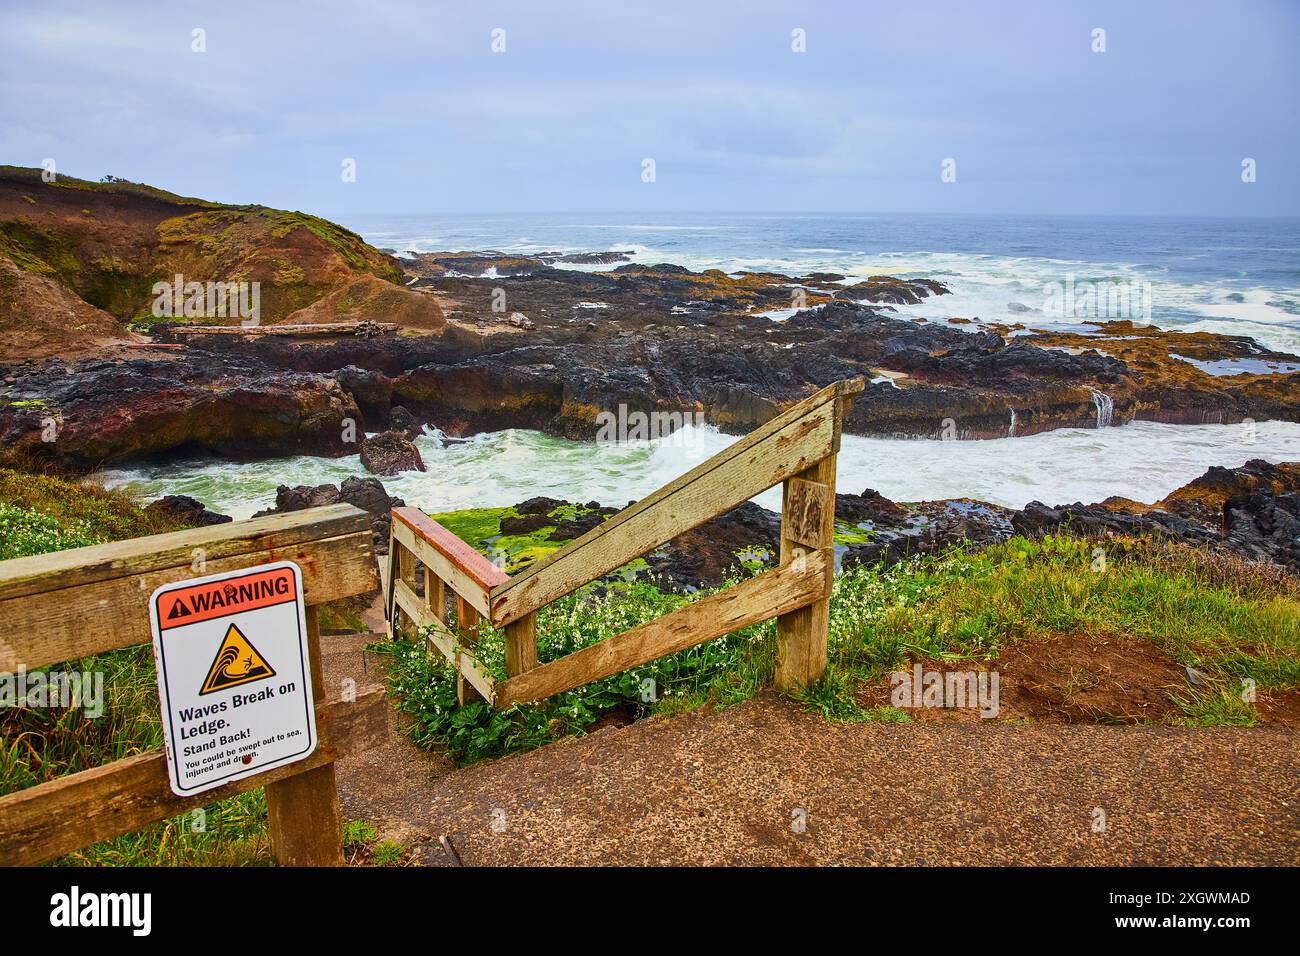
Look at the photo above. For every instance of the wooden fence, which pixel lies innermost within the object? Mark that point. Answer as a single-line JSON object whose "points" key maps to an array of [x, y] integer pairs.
{"points": [[797, 448], [66, 605]]}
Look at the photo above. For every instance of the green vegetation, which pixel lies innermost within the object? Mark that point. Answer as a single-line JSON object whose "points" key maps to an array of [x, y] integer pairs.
{"points": [[1225, 618], [361, 845], [41, 513], [38, 514], [481, 527]]}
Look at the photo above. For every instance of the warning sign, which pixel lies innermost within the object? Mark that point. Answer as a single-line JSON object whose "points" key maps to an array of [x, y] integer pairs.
{"points": [[234, 679]]}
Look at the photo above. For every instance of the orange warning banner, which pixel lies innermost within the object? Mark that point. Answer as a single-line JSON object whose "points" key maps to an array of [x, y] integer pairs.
{"points": [[202, 602]]}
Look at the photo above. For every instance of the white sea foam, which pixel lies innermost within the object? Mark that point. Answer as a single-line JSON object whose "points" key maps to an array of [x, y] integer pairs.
{"points": [[1143, 460]]}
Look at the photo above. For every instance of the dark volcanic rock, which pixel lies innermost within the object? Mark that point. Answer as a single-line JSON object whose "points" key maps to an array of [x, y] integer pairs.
{"points": [[869, 506], [390, 453], [705, 556], [186, 509], [927, 528], [368, 494], [80, 417], [539, 506], [667, 340], [1259, 525], [1204, 498], [1251, 511], [526, 523], [401, 420], [1262, 526], [569, 528]]}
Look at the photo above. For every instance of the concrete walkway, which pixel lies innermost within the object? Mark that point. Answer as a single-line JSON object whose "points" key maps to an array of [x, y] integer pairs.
{"points": [[765, 783]]}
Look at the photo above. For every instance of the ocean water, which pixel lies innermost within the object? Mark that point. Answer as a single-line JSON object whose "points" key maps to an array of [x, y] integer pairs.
{"points": [[1144, 461], [1237, 276], [1233, 276]]}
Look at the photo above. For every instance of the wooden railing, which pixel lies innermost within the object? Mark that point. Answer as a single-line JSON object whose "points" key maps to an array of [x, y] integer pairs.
{"points": [[70, 604], [797, 448]]}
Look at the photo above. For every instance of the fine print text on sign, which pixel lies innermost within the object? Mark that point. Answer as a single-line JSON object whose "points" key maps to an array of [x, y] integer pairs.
{"points": [[234, 678]]}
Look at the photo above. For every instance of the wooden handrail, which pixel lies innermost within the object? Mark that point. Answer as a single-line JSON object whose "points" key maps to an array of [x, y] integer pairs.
{"points": [[797, 448], [68, 604], [20, 577], [450, 559], [479, 569], [798, 438]]}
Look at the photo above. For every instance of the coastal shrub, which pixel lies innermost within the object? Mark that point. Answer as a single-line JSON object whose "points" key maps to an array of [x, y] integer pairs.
{"points": [[62, 514], [717, 672], [24, 532]]}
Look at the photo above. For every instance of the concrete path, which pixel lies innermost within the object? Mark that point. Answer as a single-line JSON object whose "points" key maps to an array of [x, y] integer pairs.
{"points": [[765, 783]]}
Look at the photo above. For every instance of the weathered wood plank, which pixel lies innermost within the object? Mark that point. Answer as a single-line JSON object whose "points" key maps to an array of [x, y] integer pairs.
{"points": [[801, 634], [406, 570], [775, 592], [479, 569], [75, 567], [466, 584], [521, 644], [735, 475], [46, 821], [444, 640], [435, 595], [66, 623], [467, 623], [805, 508]]}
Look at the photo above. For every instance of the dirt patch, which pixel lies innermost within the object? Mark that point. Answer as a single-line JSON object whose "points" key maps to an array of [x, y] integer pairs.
{"points": [[1067, 678], [1279, 707]]}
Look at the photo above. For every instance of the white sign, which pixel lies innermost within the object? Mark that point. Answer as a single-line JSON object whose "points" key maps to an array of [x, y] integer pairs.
{"points": [[234, 679]]}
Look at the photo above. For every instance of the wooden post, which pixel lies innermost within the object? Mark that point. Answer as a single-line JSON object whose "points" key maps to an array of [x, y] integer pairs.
{"points": [[435, 594], [807, 527], [303, 810], [405, 572], [467, 620], [521, 645]]}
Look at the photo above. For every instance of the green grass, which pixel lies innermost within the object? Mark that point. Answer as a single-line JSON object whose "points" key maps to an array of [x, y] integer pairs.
{"points": [[42, 513], [361, 845], [1228, 619]]}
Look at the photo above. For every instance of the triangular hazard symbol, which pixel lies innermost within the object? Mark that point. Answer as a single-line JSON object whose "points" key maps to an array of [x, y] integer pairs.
{"points": [[237, 662], [178, 610]]}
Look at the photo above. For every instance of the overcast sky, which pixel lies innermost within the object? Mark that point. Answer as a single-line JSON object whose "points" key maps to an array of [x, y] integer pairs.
{"points": [[563, 119]]}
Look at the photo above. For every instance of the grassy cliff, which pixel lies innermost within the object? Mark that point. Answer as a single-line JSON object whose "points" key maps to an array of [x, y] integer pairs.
{"points": [[79, 259]]}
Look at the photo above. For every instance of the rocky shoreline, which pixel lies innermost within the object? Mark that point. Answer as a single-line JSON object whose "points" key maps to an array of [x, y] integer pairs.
{"points": [[476, 341], [1251, 513], [253, 396]]}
